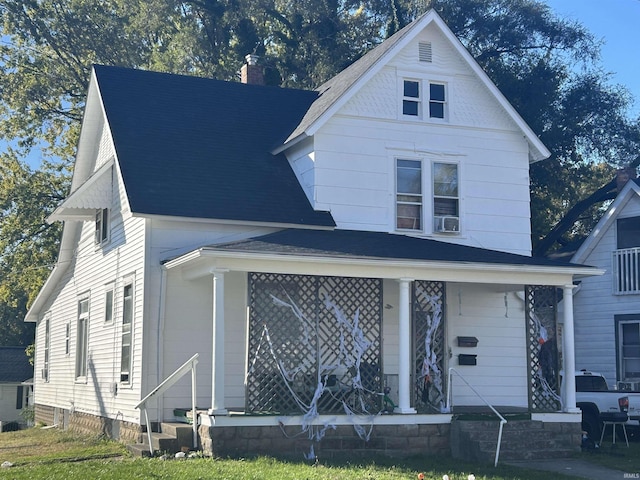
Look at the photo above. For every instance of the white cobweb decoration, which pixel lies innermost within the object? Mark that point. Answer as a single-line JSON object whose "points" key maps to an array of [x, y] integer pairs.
{"points": [[352, 347]]}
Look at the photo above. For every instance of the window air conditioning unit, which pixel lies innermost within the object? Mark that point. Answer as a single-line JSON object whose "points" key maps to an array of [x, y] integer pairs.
{"points": [[628, 386], [446, 224]]}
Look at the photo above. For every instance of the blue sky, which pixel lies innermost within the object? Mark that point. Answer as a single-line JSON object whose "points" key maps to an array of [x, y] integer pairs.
{"points": [[617, 24]]}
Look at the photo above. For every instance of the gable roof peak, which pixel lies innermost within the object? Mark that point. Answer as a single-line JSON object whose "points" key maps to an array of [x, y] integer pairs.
{"points": [[338, 90]]}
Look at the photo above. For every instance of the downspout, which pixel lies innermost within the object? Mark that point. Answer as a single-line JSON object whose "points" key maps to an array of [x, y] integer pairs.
{"points": [[160, 337]]}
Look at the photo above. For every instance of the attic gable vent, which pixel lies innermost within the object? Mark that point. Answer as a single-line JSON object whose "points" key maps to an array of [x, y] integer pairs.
{"points": [[424, 52]]}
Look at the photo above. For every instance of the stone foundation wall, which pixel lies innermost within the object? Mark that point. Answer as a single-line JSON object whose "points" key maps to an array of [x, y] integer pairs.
{"points": [[521, 440], [387, 440], [44, 414], [88, 424]]}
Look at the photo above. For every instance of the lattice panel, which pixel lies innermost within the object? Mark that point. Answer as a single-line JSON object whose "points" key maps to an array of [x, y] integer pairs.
{"points": [[542, 349], [429, 346], [316, 326]]}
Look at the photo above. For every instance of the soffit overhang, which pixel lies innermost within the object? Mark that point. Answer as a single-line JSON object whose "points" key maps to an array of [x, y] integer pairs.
{"points": [[94, 194]]}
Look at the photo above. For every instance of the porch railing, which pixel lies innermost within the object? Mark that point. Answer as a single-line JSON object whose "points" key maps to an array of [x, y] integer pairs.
{"points": [[189, 365], [626, 271], [450, 406]]}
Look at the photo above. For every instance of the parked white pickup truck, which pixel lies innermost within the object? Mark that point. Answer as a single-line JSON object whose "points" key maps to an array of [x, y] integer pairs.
{"points": [[593, 397]]}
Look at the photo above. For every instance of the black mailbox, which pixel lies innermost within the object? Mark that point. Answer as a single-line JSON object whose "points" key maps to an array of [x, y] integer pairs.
{"points": [[465, 359], [467, 342]]}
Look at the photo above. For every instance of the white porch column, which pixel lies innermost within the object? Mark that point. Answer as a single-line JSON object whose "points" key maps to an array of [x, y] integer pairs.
{"points": [[404, 349], [568, 352], [217, 360]]}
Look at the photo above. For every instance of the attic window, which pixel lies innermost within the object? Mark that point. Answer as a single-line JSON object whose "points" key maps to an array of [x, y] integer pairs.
{"points": [[424, 52], [102, 226], [411, 98]]}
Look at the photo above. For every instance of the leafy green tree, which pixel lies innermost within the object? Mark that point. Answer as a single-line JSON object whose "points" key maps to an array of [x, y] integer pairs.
{"points": [[47, 48], [28, 245]]}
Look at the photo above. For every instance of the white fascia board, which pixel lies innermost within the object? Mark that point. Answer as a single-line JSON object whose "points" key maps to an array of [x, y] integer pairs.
{"points": [[201, 262], [243, 223], [91, 118], [65, 255]]}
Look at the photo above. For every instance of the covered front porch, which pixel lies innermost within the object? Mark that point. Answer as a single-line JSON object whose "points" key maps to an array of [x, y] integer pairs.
{"points": [[299, 344]]}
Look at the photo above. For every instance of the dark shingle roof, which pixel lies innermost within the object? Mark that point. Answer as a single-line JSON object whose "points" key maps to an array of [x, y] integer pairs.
{"points": [[14, 365], [352, 243], [335, 87], [200, 148]]}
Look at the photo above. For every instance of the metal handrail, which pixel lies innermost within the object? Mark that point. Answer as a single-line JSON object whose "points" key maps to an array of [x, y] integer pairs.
{"points": [[189, 365], [450, 404]]}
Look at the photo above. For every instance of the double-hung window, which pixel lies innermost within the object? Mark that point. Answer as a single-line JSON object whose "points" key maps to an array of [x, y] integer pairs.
{"points": [[82, 338], [108, 302], [67, 338], [411, 98], [408, 194], [47, 343], [437, 100], [446, 202], [127, 321], [628, 343]]}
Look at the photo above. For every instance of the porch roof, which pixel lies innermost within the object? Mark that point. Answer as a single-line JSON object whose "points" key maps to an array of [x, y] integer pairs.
{"points": [[401, 255], [362, 244]]}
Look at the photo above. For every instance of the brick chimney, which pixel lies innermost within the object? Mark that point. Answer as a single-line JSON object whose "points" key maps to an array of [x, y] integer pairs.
{"points": [[251, 72], [623, 175]]}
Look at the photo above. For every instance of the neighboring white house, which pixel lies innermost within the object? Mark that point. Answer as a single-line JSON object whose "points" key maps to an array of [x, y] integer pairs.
{"points": [[312, 247], [607, 308], [15, 372]]}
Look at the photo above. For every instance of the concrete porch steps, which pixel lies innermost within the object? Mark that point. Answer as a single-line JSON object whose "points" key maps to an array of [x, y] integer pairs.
{"points": [[172, 438], [476, 440]]}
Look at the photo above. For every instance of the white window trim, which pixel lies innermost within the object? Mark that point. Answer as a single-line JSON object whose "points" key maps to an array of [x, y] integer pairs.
{"points": [[395, 195], [102, 233], [78, 377], [425, 80], [67, 339], [624, 319], [427, 160], [445, 103], [46, 360], [127, 282], [109, 288], [419, 100], [433, 199]]}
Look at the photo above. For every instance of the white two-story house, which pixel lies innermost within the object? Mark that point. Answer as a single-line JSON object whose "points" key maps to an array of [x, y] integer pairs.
{"points": [[607, 307], [315, 249]]}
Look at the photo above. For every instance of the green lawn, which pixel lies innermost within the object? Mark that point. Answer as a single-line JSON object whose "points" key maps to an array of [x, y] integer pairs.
{"points": [[53, 454]]}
